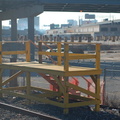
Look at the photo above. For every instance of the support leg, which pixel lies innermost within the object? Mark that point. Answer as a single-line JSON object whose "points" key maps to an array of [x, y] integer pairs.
{"points": [[97, 91], [66, 96], [28, 83]]}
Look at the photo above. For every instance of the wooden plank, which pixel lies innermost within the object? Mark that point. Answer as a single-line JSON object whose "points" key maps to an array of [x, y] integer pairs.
{"points": [[62, 88], [83, 73], [97, 91], [15, 88], [82, 90], [47, 95], [12, 77], [85, 103], [45, 90], [13, 52], [66, 95], [50, 53], [83, 98], [28, 83], [44, 100], [82, 56]]}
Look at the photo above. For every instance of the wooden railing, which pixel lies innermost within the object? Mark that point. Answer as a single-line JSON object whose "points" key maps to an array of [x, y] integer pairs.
{"points": [[71, 56], [26, 51]]}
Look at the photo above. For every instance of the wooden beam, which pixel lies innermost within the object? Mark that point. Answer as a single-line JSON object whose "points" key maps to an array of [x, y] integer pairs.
{"points": [[59, 53], [66, 57], [62, 88], [28, 83], [66, 95], [27, 51], [30, 97], [85, 103], [97, 56], [82, 98], [13, 52], [15, 88], [12, 77], [82, 90], [97, 91]]}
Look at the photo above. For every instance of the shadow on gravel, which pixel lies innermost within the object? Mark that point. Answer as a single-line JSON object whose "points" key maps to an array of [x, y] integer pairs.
{"points": [[80, 113]]}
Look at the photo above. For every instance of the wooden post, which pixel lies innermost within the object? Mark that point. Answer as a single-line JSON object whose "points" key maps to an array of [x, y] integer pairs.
{"points": [[66, 57], [97, 56], [0, 52], [65, 39], [66, 96], [40, 49], [28, 84], [28, 51], [59, 51], [97, 91]]}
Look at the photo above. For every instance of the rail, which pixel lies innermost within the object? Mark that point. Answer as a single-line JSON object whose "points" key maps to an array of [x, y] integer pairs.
{"points": [[70, 56], [26, 51]]}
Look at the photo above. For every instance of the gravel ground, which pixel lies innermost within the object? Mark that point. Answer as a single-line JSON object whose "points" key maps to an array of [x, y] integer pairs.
{"points": [[8, 115], [80, 113]]}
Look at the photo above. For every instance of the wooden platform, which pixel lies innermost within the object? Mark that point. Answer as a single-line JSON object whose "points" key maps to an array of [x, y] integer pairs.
{"points": [[57, 75], [50, 69]]}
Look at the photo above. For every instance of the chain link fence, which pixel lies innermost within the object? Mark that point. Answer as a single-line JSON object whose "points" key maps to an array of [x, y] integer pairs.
{"points": [[112, 87]]}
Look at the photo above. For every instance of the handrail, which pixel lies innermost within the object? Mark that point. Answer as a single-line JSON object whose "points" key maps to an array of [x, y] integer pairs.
{"points": [[26, 51], [72, 56]]}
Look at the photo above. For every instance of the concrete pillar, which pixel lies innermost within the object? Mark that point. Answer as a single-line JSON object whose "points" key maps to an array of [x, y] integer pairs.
{"points": [[31, 35], [14, 36], [13, 58], [0, 30], [14, 29]]}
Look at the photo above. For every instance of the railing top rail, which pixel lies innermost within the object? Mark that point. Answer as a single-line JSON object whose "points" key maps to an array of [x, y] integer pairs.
{"points": [[14, 41]]}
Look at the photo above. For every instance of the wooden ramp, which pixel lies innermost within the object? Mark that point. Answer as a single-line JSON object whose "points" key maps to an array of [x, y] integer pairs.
{"points": [[60, 76]]}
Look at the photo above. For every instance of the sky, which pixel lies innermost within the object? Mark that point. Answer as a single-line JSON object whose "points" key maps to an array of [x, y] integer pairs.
{"points": [[47, 18]]}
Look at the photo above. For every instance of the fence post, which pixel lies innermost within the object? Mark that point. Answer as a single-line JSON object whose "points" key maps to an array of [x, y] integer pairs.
{"points": [[40, 49], [59, 51], [97, 91], [28, 51], [66, 57], [97, 56], [28, 84]]}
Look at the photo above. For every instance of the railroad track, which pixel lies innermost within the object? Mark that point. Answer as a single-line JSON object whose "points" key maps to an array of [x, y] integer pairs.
{"points": [[26, 112]]}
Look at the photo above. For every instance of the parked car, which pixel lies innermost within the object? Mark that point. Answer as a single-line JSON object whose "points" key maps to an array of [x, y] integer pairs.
{"points": [[55, 50]]}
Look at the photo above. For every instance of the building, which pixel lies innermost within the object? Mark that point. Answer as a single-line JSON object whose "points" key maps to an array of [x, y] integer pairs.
{"points": [[23, 23], [106, 30], [72, 22]]}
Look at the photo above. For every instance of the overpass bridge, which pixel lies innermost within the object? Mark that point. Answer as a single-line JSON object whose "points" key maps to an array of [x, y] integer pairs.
{"points": [[14, 9], [64, 5]]}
